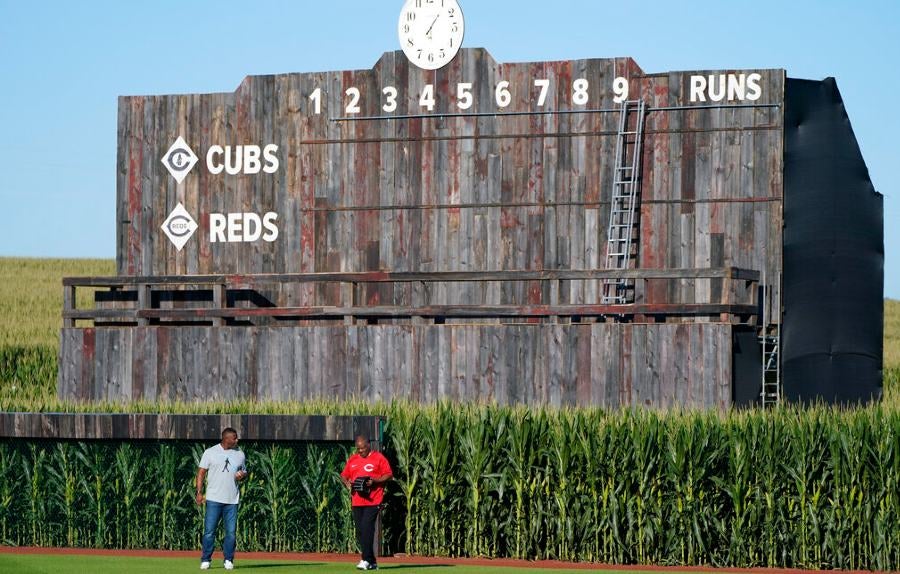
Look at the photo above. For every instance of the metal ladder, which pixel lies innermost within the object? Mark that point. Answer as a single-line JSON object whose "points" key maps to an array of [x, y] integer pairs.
{"points": [[770, 344], [625, 195], [771, 371]]}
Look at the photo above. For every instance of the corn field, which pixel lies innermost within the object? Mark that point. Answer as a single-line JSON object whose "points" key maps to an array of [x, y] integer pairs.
{"points": [[139, 495], [812, 488]]}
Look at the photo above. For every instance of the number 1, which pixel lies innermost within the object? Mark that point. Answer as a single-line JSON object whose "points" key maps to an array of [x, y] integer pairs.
{"points": [[316, 98]]}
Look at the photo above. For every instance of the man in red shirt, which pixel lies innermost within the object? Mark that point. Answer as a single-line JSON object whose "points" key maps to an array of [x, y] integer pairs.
{"points": [[364, 476]]}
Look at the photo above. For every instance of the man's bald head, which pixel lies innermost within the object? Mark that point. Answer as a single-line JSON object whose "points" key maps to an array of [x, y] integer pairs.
{"points": [[362, 445]]}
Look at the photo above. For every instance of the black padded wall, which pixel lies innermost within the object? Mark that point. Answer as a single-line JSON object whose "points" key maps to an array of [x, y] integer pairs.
{"points": [[833, 253]]}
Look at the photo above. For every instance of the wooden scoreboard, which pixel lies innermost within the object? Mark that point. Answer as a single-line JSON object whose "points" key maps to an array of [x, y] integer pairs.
{"points": [[479, 166], [423, 233]]}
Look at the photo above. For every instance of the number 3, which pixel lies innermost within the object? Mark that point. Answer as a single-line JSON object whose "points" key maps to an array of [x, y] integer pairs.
{"points": [[391, 104]]}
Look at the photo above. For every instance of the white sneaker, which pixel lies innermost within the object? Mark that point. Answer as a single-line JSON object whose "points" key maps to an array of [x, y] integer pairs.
{"points": [[204, 566], [229, 565], [363, 565]]}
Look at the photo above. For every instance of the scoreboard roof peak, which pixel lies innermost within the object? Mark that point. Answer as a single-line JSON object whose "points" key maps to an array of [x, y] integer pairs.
{"points": [[473, 64]]}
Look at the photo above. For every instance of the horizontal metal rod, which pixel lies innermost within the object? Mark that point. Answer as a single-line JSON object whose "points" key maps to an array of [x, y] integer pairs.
{"points": [[541, 113], [415, 276], [711, 107], [528, 204], [531, 135], [461, 311]]}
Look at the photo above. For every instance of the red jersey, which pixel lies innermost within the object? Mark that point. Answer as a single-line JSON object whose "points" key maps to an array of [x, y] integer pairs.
{"points": [[374, 466]]}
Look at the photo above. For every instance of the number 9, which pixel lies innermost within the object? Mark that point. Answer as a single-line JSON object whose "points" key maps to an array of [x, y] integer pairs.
{"points": [[620, 89]]}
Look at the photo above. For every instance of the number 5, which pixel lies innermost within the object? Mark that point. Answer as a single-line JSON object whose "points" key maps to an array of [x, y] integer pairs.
{"points": [[464, 96]]}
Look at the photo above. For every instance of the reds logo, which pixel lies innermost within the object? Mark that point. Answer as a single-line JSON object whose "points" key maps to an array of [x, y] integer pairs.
{"points": [[369, 467]]}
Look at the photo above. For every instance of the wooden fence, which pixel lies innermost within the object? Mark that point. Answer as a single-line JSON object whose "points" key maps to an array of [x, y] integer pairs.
{"points": [[112, 426], [221, 299]]}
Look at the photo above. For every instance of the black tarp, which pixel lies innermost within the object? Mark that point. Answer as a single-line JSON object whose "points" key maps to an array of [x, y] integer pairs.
{"points": [[747, 367], [831, 339]]}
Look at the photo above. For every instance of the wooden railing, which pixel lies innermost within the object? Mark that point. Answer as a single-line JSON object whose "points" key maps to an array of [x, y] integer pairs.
{"points": [[162, 426], [737, 303]]}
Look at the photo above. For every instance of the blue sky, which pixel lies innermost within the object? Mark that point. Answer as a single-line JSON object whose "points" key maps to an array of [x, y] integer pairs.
{"points": [[63, 64]]}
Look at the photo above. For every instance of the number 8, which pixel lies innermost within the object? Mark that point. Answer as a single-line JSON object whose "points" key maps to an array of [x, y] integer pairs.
{"points": [[579, 91]]}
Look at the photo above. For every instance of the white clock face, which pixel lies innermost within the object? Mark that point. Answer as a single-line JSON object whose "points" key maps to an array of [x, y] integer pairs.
{"points": [[431, 31]]}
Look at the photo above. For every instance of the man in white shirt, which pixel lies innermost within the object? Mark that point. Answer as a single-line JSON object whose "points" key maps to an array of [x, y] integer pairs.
{"points": [[223, 467]]}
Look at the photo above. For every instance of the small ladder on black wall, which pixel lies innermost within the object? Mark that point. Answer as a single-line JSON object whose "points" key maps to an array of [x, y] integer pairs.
{"points": [[620, 235], [771, 371], [770, 345]]}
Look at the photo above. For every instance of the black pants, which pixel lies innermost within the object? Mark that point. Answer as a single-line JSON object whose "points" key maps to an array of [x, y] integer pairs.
{"points": [[365, 517]]}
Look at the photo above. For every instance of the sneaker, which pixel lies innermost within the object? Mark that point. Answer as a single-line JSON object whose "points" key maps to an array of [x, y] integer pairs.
{"points": [[372, 567], [229, 565], [204, 566], [363, 565]]}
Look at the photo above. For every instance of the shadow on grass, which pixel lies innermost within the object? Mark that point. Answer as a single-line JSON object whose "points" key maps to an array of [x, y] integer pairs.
{"points": [[255, 565], [399, 566]]}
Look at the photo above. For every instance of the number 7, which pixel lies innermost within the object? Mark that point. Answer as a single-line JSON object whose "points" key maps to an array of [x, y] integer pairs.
{"points": [[544, 84]]}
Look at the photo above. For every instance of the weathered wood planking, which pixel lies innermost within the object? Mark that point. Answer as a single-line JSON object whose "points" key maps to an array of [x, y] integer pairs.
{"points": [[445, 194], [153, 426], [607, 364]]}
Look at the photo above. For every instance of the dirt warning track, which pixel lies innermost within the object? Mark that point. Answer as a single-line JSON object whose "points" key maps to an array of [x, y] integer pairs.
{"points": [[403, 559]]}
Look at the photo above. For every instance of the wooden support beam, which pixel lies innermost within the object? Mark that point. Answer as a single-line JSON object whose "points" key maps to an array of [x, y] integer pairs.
{"points": [[384, 311], [220, 301], [144, 302], [69, 304]]}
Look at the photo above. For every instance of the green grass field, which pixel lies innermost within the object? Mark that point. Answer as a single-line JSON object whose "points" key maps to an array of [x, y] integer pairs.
{"points": [[47, 564], [31, 297]]}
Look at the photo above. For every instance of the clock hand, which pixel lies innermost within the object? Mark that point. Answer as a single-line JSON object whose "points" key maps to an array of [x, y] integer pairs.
{"points": [[428, 32]]}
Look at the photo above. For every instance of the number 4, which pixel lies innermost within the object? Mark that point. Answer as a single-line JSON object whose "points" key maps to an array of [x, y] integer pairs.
{"points": [[426, 100]]}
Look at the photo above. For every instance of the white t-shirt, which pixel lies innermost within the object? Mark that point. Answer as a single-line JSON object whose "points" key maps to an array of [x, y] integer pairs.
{"points": [[221, 466]]}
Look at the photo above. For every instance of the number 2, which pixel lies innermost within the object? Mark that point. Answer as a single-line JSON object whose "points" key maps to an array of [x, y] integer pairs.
{"points": [[353, 106]]}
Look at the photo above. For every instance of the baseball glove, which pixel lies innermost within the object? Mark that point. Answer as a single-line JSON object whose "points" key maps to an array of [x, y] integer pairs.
{"points": [[359, 486]]}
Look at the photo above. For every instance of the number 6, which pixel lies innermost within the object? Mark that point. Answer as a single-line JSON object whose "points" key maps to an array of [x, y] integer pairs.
{"points": [[502, 95]]}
